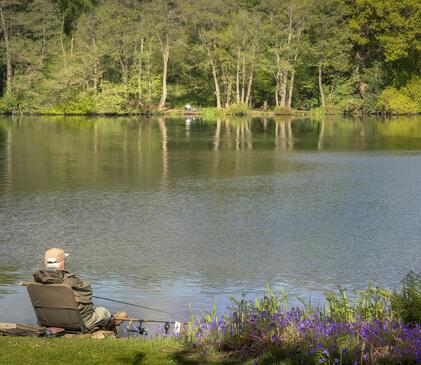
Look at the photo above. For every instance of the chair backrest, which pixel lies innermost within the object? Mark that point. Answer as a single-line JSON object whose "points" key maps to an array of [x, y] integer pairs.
{"points": [[55, 306]]}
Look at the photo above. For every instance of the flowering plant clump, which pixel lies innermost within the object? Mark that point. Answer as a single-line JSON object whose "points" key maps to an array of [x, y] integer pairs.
{"points": [[367, 331]]}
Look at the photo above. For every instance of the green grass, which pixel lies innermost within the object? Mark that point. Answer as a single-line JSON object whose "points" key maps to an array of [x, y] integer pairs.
{"points": [[37, 351]]}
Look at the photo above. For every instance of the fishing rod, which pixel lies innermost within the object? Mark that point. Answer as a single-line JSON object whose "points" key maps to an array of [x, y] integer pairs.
{"points": [[133, 305]]}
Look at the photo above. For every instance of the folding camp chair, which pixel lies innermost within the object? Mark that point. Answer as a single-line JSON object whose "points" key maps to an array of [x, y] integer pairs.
{"points": [[55, 306]]}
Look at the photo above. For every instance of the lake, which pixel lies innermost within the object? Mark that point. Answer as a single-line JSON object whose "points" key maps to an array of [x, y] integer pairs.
{"points": [[172, 212]]}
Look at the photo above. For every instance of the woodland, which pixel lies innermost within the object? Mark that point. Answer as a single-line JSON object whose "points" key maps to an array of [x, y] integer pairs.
{"points": [[146, 56]]}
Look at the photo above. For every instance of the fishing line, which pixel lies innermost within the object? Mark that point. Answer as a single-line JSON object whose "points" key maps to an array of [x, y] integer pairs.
{"points": [[132, 304]]}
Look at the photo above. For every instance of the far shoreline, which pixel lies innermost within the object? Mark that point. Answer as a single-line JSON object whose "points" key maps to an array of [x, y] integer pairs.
{"points": [[213, 113]]}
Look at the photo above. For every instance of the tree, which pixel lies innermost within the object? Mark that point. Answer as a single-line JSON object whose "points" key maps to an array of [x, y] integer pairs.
{"points": [[283, 35], [70, 11], [164, 19], [7, 11], [211, 19], [124, 56], [244, 31], [330, 45], [386, 33]]}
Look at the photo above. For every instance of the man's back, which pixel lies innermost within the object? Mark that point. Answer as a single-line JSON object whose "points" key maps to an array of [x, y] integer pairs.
{"points": [[81, 289], [54, 273]]}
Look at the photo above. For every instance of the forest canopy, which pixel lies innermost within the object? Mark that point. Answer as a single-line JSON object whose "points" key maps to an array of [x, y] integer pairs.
{"points": [[131, 56]]}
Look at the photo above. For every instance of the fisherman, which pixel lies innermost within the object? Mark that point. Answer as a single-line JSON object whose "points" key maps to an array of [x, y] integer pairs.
{"points": [[55, 273], [188, 108]]}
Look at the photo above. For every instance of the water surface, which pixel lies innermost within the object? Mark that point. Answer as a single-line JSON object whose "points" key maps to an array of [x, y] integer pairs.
{"points": [[171, 212]]}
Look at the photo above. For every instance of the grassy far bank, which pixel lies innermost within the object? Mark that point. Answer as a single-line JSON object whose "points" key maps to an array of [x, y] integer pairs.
{"points": [[211, 113], [391, 101]]}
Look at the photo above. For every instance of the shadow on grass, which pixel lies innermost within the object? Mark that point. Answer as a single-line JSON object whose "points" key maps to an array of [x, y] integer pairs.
{"points": [[186, 357], [135, 359]]}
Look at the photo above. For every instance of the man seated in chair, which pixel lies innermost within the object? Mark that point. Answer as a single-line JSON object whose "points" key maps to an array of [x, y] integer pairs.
{"points": [[55, 273]]}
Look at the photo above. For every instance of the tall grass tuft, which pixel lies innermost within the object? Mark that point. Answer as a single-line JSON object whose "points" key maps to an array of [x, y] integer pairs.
{"points": [[368, 304], [407, 302]]}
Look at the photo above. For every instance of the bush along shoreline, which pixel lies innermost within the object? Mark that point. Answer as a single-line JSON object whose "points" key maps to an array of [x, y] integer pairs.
{"points": [[376, 327]]}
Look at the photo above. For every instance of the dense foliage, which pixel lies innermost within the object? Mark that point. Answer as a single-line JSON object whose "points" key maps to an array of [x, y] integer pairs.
{"points": [[376, 327], [127, 56]]}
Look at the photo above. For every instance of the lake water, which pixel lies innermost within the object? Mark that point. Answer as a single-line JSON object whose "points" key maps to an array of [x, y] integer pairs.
{"points": [[172, 212]]}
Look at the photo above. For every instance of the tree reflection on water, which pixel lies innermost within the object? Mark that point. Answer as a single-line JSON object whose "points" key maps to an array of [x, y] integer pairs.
{"points": [[8, 278]]}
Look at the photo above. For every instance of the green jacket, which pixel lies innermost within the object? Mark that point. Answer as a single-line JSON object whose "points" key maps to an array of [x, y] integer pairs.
{"points": [[81, 289]]}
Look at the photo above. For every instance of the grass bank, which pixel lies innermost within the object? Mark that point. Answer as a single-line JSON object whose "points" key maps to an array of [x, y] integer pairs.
{"points": [[37, 351], [376, 327]]}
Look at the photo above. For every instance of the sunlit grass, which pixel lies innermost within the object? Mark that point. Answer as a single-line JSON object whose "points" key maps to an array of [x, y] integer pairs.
{"points": [[36, 351]]}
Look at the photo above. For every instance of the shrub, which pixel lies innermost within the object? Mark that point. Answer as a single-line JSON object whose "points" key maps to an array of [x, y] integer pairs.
{"points": [[9, 104], [238, 109], [212, 113], [406, 100], [111, 100], [81, 103], [327, 110], [352, 105], [394, 101], [413, 91], [283, 110]]}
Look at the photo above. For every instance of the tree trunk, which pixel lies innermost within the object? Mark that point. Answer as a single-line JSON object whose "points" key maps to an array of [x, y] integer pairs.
{"points": [[322, 94], [291, 88], [43, 47], [165, 56], [291, 82], [217, 90], [124, 73], [96, 81], [214, 72], [243, 80], [72, 41], [248, 97], [139, 73], [277, 93], [277, 78], [62, 44], [283, 91], [228, 99], [238, 78], [9, 67], [148, 67]]}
